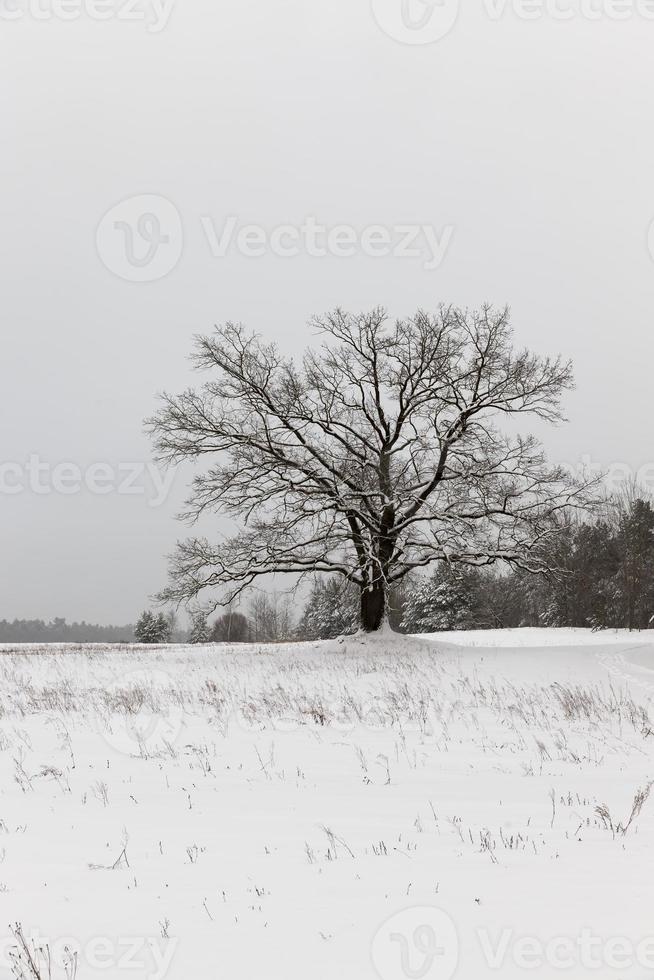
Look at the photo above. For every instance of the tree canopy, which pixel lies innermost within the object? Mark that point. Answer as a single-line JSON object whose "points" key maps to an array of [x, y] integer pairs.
{"points": [[378, 452]]}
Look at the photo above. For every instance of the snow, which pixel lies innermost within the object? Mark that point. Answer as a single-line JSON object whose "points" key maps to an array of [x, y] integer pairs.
{"points": [[375, 807], [538, 637]]}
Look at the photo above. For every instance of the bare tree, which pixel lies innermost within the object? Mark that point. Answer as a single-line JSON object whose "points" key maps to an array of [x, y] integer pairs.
{"points": [[376, 454], [271, 618]]}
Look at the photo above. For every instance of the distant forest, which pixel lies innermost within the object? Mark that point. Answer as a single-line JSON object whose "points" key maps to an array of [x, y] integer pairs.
{"points": [[602, 578], [59, 631]]}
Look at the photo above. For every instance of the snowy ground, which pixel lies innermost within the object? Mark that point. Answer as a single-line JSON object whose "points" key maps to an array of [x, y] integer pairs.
{"points": [[394, 808]]}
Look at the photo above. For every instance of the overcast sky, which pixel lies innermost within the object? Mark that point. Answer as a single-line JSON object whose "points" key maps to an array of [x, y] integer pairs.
{"points": [[520, 151]]}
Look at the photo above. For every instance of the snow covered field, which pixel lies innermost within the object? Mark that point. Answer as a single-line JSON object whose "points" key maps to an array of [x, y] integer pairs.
{"points": [[472, 805]]}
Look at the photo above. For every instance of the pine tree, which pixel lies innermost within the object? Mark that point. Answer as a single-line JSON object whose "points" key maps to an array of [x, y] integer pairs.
{"points": [[635, 580], [331, 610], [200, 632], [152, 629], [596, 562], [602, 574], [145, 628], [162, 629], [446, 601]]}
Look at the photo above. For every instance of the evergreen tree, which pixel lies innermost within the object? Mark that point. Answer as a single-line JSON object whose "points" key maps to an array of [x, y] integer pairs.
{"points": [[634, 584], [449, 600], [331, 610], [596, 564], [152, 629], [200, 632], [145, 628], [602, 573], [162, 629]]}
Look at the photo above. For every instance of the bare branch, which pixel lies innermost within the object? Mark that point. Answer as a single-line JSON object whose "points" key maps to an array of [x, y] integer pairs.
{"points": [[379, 452]]}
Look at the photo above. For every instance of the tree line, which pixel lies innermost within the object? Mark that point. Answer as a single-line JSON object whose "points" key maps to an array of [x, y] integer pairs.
{"points": [[600, 575], [58, 630], [268, 618]]}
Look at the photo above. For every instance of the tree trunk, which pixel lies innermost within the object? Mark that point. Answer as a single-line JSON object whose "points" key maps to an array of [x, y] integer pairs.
{"points": [[373, 608]]}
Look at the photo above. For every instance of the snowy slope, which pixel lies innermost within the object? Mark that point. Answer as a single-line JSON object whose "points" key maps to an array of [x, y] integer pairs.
{"points": [[390, 808]]}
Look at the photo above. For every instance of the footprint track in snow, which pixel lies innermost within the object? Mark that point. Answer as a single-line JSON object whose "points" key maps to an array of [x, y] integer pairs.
{"points": [[619, 666]]}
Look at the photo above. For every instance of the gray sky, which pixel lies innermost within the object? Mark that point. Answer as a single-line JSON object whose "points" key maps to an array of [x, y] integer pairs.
{"points": [[524, 145]]}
